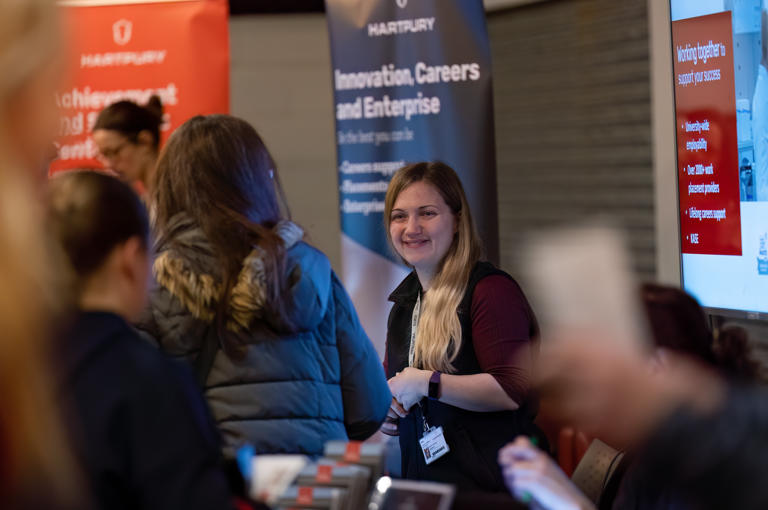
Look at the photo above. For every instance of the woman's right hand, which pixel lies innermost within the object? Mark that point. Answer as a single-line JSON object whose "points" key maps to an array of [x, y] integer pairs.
{"points": [[396, 411], [534, 478]]}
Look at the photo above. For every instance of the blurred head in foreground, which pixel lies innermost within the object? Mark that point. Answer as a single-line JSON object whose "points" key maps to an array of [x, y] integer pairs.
{"points": [[103, 229], [619, 396], [678, 324], [34, 460]]}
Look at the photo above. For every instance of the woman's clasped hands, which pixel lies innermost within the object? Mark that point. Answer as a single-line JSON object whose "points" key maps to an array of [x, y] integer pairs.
{"points": [[408, 388]]}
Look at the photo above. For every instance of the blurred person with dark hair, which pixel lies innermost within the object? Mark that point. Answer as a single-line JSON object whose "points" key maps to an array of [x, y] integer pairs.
{"points": [[36, 466], [687, 371], [143, 430], [273, 336], [680, 325], [127, 136]]}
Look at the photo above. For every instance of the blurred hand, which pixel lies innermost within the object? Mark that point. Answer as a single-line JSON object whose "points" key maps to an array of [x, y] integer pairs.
{"points": [[534, 478], [410, 386], [395, 412]]}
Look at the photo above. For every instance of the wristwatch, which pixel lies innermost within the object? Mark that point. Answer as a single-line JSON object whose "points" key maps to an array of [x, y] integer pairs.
{"points": [[434, 386]]}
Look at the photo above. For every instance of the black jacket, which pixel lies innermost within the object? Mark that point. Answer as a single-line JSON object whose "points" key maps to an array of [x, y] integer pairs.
{"points": [[474, 438], [142, 430]]}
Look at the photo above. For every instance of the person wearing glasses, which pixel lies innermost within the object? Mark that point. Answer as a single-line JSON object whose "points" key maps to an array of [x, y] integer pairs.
{"points": [[127, 136]]}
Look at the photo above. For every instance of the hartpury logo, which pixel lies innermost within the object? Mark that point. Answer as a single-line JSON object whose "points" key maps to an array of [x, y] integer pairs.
{"points": [[122, 31], [401, 3]]}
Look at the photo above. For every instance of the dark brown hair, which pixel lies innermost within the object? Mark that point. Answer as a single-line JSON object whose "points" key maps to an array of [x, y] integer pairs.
{"points": [[216, 170], [90, 214], [679, 324], [130, 119]]}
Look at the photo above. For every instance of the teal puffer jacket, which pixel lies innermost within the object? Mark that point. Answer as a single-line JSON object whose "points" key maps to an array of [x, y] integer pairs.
{"points": [[288, 394]]}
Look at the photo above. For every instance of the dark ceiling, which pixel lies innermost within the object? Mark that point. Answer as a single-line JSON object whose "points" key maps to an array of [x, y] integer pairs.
{"points": [[275, 6]]}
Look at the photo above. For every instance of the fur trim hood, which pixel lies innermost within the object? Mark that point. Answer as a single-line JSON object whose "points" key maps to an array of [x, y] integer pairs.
{"points": [[187, 268]]}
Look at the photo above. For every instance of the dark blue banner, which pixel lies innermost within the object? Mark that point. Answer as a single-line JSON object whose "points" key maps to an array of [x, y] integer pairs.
{"points": [[412, 82]]}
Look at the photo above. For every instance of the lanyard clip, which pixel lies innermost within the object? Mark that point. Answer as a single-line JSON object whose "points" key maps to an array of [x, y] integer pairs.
{"points": [[425, 425]]}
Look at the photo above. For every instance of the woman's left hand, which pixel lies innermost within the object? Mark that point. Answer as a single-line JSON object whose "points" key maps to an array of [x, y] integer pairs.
{"points": [[410, 386]]}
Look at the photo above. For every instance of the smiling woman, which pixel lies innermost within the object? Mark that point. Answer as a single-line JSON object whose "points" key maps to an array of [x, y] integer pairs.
{"points": [[422, 228], [460, 340]]}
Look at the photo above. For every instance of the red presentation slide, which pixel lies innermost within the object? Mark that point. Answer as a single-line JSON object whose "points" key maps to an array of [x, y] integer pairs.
{"points": [[707, 154]]}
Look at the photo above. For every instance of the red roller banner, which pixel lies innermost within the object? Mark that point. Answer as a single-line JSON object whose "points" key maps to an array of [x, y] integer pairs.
{"points": [[177, 49]]}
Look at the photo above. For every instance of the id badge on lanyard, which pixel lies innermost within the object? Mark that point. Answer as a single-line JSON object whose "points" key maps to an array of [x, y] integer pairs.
{"points": [[432, 442]]}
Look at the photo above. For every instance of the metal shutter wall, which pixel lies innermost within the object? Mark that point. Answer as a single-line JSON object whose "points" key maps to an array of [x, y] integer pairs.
{"points": [[573, 120]]}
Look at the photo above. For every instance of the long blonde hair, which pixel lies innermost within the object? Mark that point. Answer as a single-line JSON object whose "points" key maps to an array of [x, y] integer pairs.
{"points": [[36, 460], [438, 337]]}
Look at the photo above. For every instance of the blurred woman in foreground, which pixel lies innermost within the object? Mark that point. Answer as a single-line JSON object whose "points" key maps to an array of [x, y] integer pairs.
{"points": [[36, 467]]}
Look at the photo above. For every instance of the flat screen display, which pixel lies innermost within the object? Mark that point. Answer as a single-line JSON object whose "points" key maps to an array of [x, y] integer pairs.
{"points": [[720, 62], [392, 494]]}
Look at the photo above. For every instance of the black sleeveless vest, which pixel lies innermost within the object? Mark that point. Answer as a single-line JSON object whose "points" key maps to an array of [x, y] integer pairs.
{"points": [[474, 438]]}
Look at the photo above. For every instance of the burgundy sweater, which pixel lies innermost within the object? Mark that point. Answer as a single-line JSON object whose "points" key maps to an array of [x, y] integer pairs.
{"points": [[500, 327]]}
